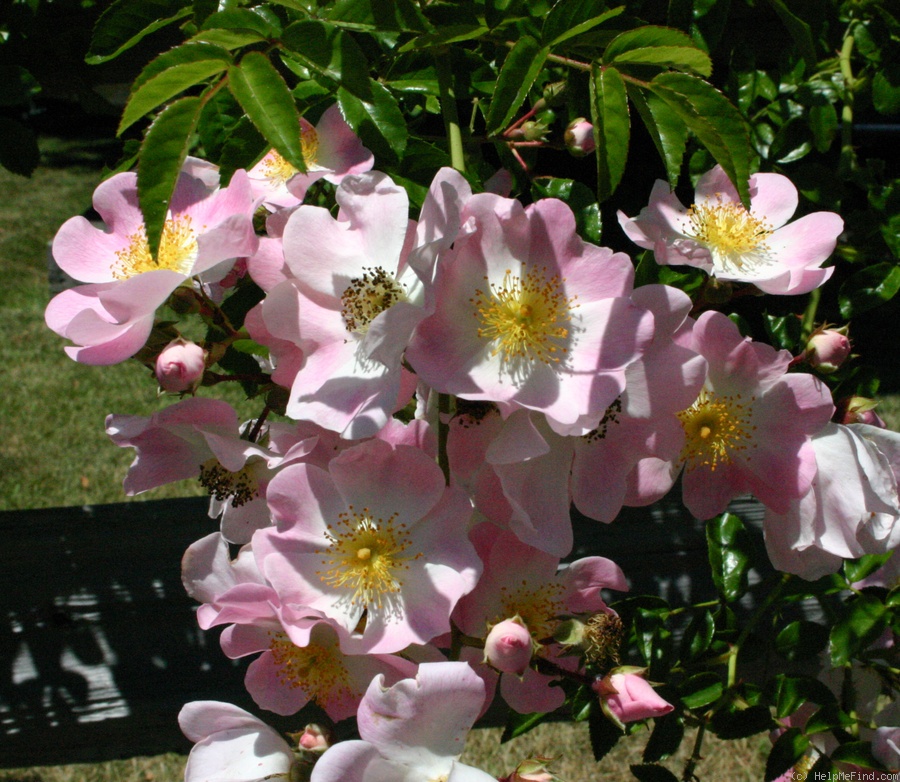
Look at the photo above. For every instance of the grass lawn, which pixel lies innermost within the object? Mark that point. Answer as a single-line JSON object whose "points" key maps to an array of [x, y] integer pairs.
{"points": [[54, 452]]}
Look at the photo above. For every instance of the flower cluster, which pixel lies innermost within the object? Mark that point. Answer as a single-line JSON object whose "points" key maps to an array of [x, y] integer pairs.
{"points": [[450, 386]]}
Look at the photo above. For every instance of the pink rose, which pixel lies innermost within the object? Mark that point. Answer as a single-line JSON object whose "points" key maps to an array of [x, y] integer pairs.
{"points": [[827, 349], [579, 137], [630, 697], [180, 366], [508, 646]]}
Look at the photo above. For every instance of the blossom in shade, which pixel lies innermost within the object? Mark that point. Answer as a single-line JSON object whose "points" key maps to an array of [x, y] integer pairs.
{"points": [[851, 509], [413, 730], [630, 697], [529, 315], [376, 536], [231, 745], [110, 318], [358, 285], [719, 235], [749, 429], [331, 151]]}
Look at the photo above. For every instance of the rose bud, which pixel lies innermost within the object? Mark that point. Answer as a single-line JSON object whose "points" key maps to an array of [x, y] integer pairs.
{"points": [[628, 697], [827, 349], [313, 739], [579, 137], [180, 366], [508, 646], [858, 410]]}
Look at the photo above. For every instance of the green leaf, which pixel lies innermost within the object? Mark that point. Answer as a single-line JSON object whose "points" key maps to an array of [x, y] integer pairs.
{"points": [[186, 54], [668, 731], [126, 22], [801, 640], [569, 18], [159, 164], [396, 15], [716, 123], [735, 723], [828, 717], [332, 53], [864, 621], [858, 569], [786, 751], [380, 124], [701, 690], [603, 734], [886, 89], [266, 99], [18, 148], [869, 288], [244, 19], [783, 330], [823, 122], [649, 772], [698, 635], [799, 31], [680, 58], [791, 692], [519, 724], [668, 131], [520, 69], [242, 147], [227, 39], [174, 80], [729, 555], [647, 36], [453, 33], [859, 753], [580, 199], [612, 128]]}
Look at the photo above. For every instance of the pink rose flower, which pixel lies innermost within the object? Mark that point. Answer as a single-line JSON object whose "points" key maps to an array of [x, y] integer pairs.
{"points": [[180, 366], [827, 349], [508, 646], [717, 234], [630, 697]]}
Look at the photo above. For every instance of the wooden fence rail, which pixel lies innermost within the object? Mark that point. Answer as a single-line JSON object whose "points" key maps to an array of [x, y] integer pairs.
{"points": [[100, 648]]}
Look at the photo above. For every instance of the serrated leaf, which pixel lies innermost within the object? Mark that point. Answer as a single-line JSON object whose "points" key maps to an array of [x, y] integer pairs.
{"points": [[380, 124], [799, 31], [680, 58], [18, 148], [187, 53], [668, 731], [701, 690], [886, 89], [242, 147], [446, 34], [668, 131], [732, 723], [864, 621], [788, 748], [857, 569], [159, 163], [126, 22], [859, 753], [227, 39], [729, 555], [716, 123], [332, 53], [869, 288], [646, 36], [520, 69], [649, 772], [519, 724], [174, 80], [698, 635], [267, 101], [603, 734], [801, 640], [395, 15], [244, 19], [570, 18], [612, 128], [783, 330], [828, 717]]}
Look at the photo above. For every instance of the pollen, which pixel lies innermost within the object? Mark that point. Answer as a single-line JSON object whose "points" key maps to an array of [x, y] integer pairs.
{"points": [[318, 670], [278, 171], [177, 250], [367, 557], [735, 238], [716, 428], [240, 487], [366, 297], [526, 319], [539, 608]]}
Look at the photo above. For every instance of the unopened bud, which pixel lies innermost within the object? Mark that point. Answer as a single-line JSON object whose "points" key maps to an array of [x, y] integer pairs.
{"points": [[508, 646], [827, 349], [180, 366], [313, 739], [858, 410], [534, 131], [627, 697], [579, 137], [532, 770]]}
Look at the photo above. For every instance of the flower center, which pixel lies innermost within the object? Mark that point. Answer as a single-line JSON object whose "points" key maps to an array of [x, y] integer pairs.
{"points": [[318, 670], [735, 238], [366, 297], [240, 486], [716, 427], [538, 609], [278, 171], [525, 318], [177, 250], [367, 557]]}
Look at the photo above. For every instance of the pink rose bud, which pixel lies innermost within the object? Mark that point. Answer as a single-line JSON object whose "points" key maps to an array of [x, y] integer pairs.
{"points": [[579, 137], [827, 349], [180, 366], [532, 770], [508, 646], [313, 739], [858, 410], [630, 697]]}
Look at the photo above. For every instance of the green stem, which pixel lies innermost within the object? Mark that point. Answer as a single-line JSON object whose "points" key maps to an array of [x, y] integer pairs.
{"points": [[448, 108], [847, 112], [695, 757], [443, 432], [809, 315]]}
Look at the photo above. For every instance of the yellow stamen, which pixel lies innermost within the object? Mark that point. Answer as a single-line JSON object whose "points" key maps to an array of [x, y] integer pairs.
{"points": [[241, 486], [177, 250], [539, 608], [278, 171], [366, 297], [716, 428], [735, 238], [318, 670]]}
